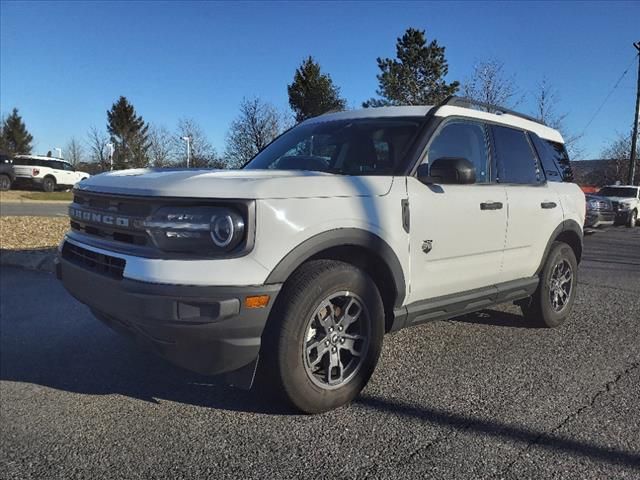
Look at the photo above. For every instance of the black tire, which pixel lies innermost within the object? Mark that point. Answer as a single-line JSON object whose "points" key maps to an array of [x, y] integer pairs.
{"points": [[284, 363], [5, 183], [49, 184], [633, 219], [540, 309]]}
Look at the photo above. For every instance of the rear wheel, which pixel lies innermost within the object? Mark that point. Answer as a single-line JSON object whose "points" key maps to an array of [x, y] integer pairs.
{"points": [[5, 183], [552, 302], [49, 184], [325, 338]]}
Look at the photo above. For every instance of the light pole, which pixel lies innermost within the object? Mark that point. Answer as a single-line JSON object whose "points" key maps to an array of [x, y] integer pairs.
{"points": [[111, 150], [188, 140], [634, 135]]}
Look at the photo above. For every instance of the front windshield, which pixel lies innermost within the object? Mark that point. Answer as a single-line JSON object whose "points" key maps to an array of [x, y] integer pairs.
{"points": [[369, 146], [618, 192]]}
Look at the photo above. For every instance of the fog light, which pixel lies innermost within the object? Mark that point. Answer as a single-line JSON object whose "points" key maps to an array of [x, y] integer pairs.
{"points": [[256, 301]]}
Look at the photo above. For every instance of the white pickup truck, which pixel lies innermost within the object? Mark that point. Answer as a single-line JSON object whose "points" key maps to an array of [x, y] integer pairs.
{"points": [[47, 173]]}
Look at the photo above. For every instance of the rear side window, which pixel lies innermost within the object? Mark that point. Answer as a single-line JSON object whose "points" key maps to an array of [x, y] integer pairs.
{"points": [[561, 159], [547, 158], [466, 140], [516, 160]]}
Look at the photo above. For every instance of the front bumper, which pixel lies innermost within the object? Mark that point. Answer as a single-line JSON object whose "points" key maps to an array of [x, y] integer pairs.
{"points": [[204, 329], [596, 218]]}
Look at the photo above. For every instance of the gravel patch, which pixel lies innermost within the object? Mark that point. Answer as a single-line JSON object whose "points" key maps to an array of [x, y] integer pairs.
{"points": [[31, 233]]}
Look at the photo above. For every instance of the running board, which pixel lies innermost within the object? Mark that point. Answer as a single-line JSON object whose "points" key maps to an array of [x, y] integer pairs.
{"points": [[447, 306]]}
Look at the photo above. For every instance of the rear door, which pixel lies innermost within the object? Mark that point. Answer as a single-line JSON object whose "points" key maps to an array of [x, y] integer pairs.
{"points": [[534, 208], [457, 232]]}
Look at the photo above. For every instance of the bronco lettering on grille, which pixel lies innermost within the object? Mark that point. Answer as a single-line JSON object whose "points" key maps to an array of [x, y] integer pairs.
{"points": [[94, 217]]}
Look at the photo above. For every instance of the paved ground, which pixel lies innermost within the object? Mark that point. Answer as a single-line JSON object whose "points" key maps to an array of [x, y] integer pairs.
{"points": [[35, 209], [484, 396]]}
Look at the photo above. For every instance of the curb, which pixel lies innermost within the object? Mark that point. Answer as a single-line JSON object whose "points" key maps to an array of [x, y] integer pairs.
{"points": [[41, 260]]}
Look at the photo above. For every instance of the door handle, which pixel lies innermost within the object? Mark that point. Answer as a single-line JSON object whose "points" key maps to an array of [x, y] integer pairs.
{"points": [[548, 205], [490, 205]]}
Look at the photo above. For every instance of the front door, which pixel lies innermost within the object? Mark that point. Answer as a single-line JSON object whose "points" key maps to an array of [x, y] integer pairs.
{"points": [[457, 232]]}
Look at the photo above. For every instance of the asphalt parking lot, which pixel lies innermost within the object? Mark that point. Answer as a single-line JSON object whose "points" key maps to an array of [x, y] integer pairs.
{"points": [[483, 396]]}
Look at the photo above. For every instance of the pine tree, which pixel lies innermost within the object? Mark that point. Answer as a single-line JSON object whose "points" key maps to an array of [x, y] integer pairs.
{"points": [[129, 134], [15, 139], [312, 92], [416, 77]]}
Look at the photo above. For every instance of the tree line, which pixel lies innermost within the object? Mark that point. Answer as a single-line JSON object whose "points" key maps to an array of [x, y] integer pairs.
{"points": [[416, 76]]}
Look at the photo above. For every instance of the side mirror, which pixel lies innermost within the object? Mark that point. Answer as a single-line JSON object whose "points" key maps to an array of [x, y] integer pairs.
{"points": [[448, 170]]}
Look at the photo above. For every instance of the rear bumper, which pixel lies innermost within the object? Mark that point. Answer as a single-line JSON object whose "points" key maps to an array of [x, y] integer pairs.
{"points": [[204, 329], [596, 219]]}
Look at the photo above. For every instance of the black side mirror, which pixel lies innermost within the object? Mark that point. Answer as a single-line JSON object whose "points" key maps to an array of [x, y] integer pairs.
{"points": [[451, 170]]}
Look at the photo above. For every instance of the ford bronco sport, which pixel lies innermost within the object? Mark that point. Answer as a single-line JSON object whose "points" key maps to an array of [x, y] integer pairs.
{"points": [[348, 226]]}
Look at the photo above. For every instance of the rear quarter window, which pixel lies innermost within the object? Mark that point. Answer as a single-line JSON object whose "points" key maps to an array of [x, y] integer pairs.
{"points": [[554, 156]]}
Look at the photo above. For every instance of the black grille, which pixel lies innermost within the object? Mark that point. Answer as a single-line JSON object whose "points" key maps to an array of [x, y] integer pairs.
{"points": [[112, 205], [97, 262]]}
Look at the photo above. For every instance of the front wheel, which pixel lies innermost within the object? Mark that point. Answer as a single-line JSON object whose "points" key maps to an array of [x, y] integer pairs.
{"points": [[633, 219], [48, 184], [552, 302], [325, 338], [5, 183]]}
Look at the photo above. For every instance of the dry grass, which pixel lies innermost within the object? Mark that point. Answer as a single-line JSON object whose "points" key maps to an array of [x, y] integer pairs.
{"points": [[29, 233], [21, 195]]}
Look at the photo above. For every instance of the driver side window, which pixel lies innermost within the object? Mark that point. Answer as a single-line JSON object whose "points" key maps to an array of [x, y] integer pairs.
{"points": [[466, 140]]}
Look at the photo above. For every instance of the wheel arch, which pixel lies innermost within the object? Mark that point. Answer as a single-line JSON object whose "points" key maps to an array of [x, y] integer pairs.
{"points": [[568, 232], [361, 248]]}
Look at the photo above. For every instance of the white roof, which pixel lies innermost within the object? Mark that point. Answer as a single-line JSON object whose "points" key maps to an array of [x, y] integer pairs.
{"points": [[507, 119], [406, 111], [42, 157]]}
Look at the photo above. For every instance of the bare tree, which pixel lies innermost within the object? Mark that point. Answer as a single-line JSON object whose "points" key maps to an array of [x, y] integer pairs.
{"points": [[74, 152], [203, 155], [161, 146], [546, 100], [98, 152], [618, 153], [255, 127], [491, 85]]}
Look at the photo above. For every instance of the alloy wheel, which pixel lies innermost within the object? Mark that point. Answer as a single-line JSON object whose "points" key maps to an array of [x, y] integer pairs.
{"points": [[560, 285], [336, 340]]}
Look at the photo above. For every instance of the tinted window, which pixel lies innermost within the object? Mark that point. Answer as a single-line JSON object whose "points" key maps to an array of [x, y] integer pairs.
{"points": [[368, 146], [561, 159], [516, 161], [466, 140], [547, 158], [68, 167], [54, 164]]}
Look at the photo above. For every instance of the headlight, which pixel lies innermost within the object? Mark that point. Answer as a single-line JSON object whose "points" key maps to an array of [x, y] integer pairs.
{"points": [[594, 205], [204, 230], [624, 206]]}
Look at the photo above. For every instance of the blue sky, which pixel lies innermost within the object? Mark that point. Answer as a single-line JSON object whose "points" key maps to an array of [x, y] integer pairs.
{"points": [[63, 64]]}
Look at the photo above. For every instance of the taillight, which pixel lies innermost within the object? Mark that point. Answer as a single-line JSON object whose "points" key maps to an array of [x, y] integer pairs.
{"points": [[35, 172]]}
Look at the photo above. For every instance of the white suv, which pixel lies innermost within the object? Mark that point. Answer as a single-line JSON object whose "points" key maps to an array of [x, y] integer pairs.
{"points": [[45, 172], [348, 226], [626, 202]]}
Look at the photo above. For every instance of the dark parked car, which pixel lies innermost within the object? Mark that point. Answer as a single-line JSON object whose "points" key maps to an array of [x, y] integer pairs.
{"points": [[599, 211], [7, 175]]}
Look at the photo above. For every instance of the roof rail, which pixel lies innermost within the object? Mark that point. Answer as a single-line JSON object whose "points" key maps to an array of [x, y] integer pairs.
{"points": [[470, 103]]}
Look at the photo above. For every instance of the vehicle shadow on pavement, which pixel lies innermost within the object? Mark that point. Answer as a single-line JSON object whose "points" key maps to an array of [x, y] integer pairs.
{"points": [[496, 318], [513, 433], [90, 359]]}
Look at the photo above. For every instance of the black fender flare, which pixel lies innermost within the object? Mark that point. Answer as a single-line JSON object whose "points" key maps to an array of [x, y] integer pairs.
{"points": [[565, 226], [350, 237]]}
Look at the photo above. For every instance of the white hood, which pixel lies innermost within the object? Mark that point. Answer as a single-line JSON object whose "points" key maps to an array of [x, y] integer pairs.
{"points": [[241, 184]]}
